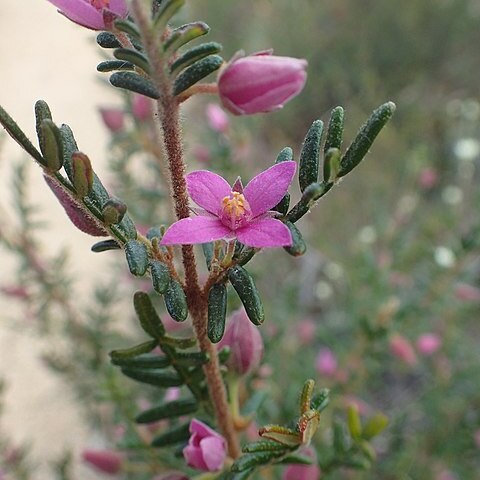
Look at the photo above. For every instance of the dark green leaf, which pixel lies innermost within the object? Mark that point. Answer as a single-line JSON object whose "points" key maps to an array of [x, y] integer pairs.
{"points": [[113, 211], [256, 459], [182, 343], [105, 245], [160, 276], [143, 361], [264, 445], [147, 315], [184, 34], [167, 9], [51, 144], [174, 435], [321, 400], [247, 291], [113, 65], [175, 301], [108, 40], [196, 72], [309, 156], [137, 257], [134, 57], [135, 83], [208, 253], [193, 55], [286, 155], [311, 194], [365, 137], [331, 165], [158, 378], [299, 246], [42, 112], [217, 312], [128, 27], [125, 353], [334, 130], [172, 409], [191, 359]]}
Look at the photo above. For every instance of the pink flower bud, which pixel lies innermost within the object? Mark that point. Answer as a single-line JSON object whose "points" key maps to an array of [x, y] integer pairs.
{"points": [[306, 331], [467, 293], [93, 14], [428, 178], [206, 449], [401, 348], [428, 343], [105, 461], [326, 362], [245, 342], [260, 82], [142, 107], [78, 217], [303, 472], [113, 119], [217, 118]]}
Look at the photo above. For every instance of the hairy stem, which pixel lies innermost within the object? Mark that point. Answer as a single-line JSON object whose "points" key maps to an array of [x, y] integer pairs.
{"points": [[168, 107]]}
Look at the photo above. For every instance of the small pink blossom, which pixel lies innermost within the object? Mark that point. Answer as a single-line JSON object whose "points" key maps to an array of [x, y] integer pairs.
{"points": [[217, 118], [235, 212], [306, 329], [206, 449], [428, 178], [467, 293], [105, 461], [326, 362], [245, 342], [142, 107], [260, 82], [428, 343], [401, 348], [172, 393], [93, 14], [113, 118], [304, 472]]}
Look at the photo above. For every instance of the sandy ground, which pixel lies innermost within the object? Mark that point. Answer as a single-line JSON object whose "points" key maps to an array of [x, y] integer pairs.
{"points": [[42, 55]]}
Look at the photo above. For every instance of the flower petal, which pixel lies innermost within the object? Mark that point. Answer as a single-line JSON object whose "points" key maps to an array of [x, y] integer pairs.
{"points": [[213, 449], [207, 189], [265, 190], [189, 231], [119, 7], [265, 232], [194, 457], [82, 13]]}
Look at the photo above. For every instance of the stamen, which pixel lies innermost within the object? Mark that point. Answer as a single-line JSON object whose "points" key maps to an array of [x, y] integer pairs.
{"points": [[235, 210]]}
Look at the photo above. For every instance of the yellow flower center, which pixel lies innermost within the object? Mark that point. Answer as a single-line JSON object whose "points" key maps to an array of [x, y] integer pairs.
{"points": [[235, 210]]}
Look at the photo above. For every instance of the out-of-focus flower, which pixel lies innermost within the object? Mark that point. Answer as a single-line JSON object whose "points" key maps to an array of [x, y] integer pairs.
{"points": [[444, 257], [326, 362], [172, 393], [16, 291], [260, 82], [306, 331], [245, 343], [445, 475], [235, 212], [467, 293], [428, 178], [467, 148], [401, 348], [428, 343], [113, 118], [106, 461], [93, 14], [476, 438], [75, 213], [303, 472], [142, 107], [206, 449], [201, 153], [217, 118]]}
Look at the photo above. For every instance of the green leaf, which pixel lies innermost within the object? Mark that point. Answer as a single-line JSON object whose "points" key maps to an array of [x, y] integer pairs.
{"points": [[82, 174], [341, 440], [286, 155], [134, 57], [321, 400], [365, 137], [137, 257], [143, 361], [296, 458], [167, 9], [257, 459], [108, 40], [312, 193], [299, 247], [247, 292], [334, 136], [113, 65], [17, 134], [51, 144], [175, 408], [309, 156], [147, 315], [285, 436], [193, 55], [196, 72], [175, 301], [174, 435], [113, 211], [244, 254], [182, 343], [264, 445], [160, 276], [105, 245], [126, 353], [208, 251], [353, 422], [135, 83], [128, 27], [157, 378], [306, 396], [374, 426], [191, 359], [42, 112], [126, 228], [184, 34], [217, 312], [331, 165]]}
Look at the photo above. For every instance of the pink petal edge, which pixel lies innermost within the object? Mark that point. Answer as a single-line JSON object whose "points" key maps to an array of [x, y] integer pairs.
{"points": [[189, 231], [213, 449], [207, 189]]}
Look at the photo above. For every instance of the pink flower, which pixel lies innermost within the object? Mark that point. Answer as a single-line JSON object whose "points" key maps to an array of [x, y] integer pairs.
{"points": [[113, 119], [303, 472], [105, 461], [217, 118], [326, 362], [142, 107], [306, 329], [401, 348], [93, 14], [428, 178], [467, 293], [260, 82], [428, 343], [235, 212], [245, 342], [206, 449]]}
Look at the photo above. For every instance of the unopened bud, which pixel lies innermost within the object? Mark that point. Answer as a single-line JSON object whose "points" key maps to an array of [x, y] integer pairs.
{"points": [[82, 174], [105, 461], [113, 211]]}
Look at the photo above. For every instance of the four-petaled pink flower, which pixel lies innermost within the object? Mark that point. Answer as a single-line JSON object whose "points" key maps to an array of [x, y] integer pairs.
{"points": [[235, 212], [93, 14], [261, 82], [206, 449]]}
